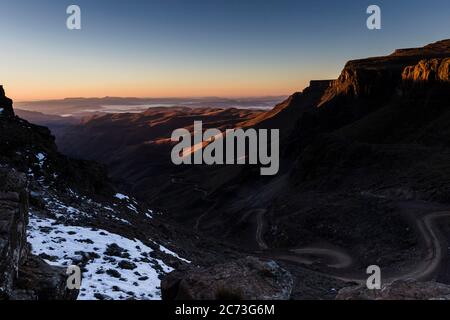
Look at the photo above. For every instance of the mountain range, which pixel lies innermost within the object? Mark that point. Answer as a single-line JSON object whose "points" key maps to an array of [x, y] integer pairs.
{"points": [[364, 180]]}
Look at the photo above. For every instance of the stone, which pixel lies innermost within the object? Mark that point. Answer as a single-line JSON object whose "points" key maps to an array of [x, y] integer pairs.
{"points": [[428, 70], [244, 279]]}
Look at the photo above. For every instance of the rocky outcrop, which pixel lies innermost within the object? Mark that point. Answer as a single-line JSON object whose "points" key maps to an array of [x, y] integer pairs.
{"points": [[13, 222], [6, 104], [398, 290], [428, 70], [23, 276], [245, 279], [378, 78]]}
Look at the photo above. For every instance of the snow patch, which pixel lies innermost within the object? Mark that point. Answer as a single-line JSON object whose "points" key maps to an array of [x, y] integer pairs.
{"points": [[171, 253], [41, 159], [104, 275], [122, 196]]}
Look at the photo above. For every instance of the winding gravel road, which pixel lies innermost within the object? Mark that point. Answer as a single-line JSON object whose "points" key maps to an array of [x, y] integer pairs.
{"points": [[339, 259]]}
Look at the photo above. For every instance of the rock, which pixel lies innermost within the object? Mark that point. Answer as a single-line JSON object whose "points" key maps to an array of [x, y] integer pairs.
{"points": [[6, 104], [127, 265], [113, 273], [114, 250], [22, 275], [428, 70], [244, 279], [13, 222], [398, 290], [40, 281]]}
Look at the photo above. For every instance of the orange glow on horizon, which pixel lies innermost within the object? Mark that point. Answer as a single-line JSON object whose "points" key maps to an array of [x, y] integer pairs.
{"points": [[21, 93]]}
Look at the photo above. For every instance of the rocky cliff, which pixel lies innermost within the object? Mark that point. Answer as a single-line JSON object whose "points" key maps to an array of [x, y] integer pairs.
{"points": [[378, 78], [23, 275], [428, 70]]}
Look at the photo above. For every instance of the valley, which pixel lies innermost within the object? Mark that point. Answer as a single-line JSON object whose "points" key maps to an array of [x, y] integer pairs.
{"points": [[364, 177]]}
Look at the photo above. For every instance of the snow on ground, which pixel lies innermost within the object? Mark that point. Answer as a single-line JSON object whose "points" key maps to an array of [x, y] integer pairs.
{"points": [[41, 158], [169, 252], [122, 196], [115, 267]]}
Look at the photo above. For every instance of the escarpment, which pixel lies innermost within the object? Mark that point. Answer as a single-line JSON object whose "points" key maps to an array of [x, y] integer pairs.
{"points": [[437, 69], [379, 78]]}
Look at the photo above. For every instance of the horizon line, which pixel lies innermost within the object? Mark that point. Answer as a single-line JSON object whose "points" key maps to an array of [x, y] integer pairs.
{"points": [[156, 97]]}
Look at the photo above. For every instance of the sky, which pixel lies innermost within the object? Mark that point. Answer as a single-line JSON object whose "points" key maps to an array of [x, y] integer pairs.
{"points": [[194, 48]]}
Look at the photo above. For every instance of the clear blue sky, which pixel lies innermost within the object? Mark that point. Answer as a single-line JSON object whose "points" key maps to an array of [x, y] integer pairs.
{"points": [[199, 47]]}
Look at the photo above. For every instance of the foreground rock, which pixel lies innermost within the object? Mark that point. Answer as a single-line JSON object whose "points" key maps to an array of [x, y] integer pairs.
{"points": [[22, 275], [245, 279], [398, 290]]}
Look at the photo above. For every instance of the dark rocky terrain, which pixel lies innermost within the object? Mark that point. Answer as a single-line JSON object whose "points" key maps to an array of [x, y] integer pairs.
{"points": [[23, 275], [398, 290]]}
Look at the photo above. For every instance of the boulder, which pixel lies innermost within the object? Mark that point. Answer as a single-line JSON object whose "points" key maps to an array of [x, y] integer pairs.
{"points": [[244, 279]]}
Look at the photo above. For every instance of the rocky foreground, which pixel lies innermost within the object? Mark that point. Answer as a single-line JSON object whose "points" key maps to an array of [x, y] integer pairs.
{"points": [[56, 212]]}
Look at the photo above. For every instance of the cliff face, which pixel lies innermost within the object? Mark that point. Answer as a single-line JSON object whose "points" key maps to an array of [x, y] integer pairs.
{"points": [[13, 217], [428, 70], [22, 275], [378, 78]]}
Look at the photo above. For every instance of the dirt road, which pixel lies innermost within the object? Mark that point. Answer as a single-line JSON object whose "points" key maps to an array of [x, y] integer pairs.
{"points": [[339, 259]]}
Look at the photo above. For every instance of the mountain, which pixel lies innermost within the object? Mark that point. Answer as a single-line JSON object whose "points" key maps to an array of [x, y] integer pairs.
{"points": [[82, 107], [364, 180], [364, 172]]}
